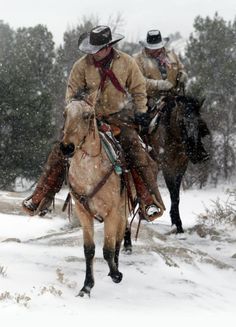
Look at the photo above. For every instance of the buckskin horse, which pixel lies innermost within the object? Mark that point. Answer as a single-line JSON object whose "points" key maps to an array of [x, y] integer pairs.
{"points": [[174, 134], [95, 187]]}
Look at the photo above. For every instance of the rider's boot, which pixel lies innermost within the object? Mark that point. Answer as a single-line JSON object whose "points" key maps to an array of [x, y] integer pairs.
{"points": [[49, 184], [155, 200], [150, 210]]}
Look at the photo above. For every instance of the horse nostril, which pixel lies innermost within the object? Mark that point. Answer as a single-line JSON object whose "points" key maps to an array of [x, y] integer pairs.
{"points": [[67, 149]]}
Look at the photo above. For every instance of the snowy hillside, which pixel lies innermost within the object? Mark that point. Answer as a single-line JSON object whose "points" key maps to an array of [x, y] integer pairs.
{"points": [[167, 281], [179, 46]]}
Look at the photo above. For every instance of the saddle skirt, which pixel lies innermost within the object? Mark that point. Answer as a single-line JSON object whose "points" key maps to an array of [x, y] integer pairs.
{"points": [[112, 147]]}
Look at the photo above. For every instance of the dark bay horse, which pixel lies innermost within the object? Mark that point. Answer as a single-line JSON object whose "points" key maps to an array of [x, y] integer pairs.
{"points": [[175, 138], [174, 134]]}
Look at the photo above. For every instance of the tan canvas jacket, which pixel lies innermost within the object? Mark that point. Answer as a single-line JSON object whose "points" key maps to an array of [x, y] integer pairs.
{"points": [[150, 70], [126, 70]]}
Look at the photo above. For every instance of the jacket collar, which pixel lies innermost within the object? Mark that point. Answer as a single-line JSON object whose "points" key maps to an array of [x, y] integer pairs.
{"points": [[146, 56]]}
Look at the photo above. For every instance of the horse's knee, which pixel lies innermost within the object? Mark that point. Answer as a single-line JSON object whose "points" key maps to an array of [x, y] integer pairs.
{"points": [[89, 251]]}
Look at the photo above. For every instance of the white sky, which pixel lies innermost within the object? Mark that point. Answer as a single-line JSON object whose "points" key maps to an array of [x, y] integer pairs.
{"points": [[139, 15]]}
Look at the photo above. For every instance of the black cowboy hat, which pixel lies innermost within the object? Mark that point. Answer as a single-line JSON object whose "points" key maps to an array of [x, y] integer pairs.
{"points": [[154, 40], [98, 38]]}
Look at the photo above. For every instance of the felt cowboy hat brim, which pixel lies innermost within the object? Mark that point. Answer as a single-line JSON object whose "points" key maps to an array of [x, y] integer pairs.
{"points": [[155, 46], [86, 47]]}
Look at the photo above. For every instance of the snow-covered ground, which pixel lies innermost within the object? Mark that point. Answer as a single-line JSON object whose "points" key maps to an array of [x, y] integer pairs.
{"points": [[167, 281]]}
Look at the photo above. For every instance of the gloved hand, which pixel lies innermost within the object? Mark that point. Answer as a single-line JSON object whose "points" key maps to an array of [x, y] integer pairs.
{"points": [[183, 77], [164, 85], [142, 118]]}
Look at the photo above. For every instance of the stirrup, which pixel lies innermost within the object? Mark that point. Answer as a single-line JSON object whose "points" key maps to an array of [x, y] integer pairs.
{"points": [[28, 206], [40, 209], [152, 210]]}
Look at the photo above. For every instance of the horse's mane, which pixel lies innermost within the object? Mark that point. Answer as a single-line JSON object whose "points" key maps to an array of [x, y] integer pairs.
{"points": [[189, 100], [191, 105]]}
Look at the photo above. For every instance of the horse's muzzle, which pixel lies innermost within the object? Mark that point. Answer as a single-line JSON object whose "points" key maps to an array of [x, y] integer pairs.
{"points": [[67, 150]]}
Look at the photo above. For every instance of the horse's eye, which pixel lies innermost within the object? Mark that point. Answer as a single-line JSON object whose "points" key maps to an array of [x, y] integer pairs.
{"points": [[86, 115]]}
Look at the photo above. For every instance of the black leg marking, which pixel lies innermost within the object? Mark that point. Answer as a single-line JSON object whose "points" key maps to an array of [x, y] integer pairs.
{"points": [[89, 252], [173, 184], [109, 256], [127, 241]]}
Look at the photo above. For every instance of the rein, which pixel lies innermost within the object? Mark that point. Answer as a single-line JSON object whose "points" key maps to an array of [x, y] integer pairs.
{"points": [[84, 198], [85, 153]]}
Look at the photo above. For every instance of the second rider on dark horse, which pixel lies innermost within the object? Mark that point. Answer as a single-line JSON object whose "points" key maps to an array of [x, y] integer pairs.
{"points": [[176, 129], [118, 79], [165, 74]]}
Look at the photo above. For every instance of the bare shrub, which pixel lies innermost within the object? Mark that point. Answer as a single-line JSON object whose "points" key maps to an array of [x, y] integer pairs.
{"points": [[50, 289], [21, 299], [3, 271], [61, 278], [221, 213]]}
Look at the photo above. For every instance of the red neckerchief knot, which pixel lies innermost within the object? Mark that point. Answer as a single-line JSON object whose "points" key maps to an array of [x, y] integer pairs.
{"points": [[161, 58], [106, 72]]}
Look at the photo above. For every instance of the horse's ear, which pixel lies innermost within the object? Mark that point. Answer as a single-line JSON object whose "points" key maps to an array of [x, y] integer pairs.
{"points": [[92, 98]]}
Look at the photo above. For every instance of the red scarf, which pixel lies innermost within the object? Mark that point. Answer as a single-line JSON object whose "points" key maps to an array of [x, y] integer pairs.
{"points": [[161, 58], [106, 72]]}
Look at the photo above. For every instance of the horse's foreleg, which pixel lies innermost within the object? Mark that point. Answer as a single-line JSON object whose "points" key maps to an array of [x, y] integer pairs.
{"points": [[89, 252], [119, 238], [127, 240], [173, 184], [111, 247]]}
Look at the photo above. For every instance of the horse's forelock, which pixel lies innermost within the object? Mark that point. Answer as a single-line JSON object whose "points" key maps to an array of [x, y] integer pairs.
{"points": [[75, 108]]}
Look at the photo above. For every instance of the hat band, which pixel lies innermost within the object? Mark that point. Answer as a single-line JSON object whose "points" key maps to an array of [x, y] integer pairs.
{"points": [[99, 40]]}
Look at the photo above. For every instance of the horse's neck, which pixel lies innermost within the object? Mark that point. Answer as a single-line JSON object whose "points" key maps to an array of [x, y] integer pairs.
{"points": [[170, 123]]}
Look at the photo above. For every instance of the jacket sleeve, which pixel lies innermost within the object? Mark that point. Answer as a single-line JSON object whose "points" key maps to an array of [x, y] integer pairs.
{"points": [[76, 80], [136, 87], [151, 84]]}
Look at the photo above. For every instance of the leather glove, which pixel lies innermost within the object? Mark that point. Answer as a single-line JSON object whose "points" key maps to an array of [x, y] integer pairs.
{"points": [[183, 77], [164, 85], [142, 118]]}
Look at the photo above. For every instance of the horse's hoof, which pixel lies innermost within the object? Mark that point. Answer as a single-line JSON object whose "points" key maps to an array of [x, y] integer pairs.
{"points": [[181, 237], [127, 249], [179, 230], [116, 277], [84, 291]]}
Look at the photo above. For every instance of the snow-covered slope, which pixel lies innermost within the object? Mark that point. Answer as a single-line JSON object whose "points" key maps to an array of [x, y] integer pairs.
{"points": [[166, 281]]}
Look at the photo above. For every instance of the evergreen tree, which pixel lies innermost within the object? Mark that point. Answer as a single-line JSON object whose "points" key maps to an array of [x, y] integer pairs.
{"points": [[66, 56], [28, 105], [211, 64]]}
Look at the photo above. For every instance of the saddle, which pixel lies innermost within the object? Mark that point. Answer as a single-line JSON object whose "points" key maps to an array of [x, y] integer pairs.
{"points": [[115, 154]]}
